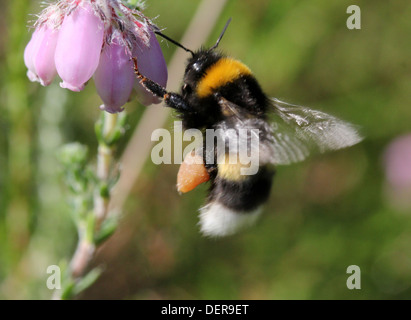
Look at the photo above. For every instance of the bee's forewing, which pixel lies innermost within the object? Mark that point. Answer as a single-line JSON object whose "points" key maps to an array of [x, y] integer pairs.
{"points": [[298, 131]]}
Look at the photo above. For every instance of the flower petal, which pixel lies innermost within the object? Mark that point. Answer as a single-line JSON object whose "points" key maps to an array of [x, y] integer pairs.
{"points": [[397, 162], [79, 47], [29, 53], [44, 57], [114, 77], [152, 65]]}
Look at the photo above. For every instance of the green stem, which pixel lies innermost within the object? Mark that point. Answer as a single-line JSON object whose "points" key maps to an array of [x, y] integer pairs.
{"points": [[104, 163], [90, 226]]}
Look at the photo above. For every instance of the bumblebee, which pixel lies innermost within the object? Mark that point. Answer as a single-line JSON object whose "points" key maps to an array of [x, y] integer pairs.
{"points": [[221, 93]]}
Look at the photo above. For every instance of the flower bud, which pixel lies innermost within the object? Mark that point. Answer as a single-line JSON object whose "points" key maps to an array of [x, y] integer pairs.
{"points": [[79, 47], [114, 77]]}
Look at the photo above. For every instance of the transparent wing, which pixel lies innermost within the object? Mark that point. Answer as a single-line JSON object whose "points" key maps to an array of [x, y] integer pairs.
{"points": [[285, 146], [298, 131], [292, 132]]}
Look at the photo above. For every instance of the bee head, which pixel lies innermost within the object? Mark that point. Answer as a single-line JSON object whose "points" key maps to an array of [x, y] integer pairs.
{"points": [[196, 68], [199, 62]]}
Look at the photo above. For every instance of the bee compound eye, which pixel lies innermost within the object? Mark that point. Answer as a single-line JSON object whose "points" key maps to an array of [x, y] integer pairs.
{"points": [[197, 66]]}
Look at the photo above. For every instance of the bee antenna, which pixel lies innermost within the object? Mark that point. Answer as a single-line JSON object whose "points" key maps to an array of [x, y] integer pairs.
{"points": [[173, 41], [221, 35]]}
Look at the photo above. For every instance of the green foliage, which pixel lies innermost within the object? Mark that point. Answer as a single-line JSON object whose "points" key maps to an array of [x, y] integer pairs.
{"points": [[108, 227], [72, 288], [135, 4], [112, 137]]}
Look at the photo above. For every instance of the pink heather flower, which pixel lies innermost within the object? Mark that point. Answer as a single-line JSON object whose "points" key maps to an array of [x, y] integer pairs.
{"points": [[79, 38], [114, 77], [398, 162], [152, 65], [79, 47], [29, 53], [39, 55]]}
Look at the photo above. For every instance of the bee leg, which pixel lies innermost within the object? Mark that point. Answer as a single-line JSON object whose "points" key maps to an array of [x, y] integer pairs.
{"points": [[173, 100]]}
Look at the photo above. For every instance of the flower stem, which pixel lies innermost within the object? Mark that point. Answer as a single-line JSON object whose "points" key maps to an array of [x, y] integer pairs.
{"points": [[84, 252], [91, 221], [104, 162]]}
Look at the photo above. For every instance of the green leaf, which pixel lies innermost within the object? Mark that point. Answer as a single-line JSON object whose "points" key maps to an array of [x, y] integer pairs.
{"points": [[91, 222], [98, 128], [118, 131], [135, 4], [87, 281], [104, 191], [108, 227], [68, 290], [73, 154]]}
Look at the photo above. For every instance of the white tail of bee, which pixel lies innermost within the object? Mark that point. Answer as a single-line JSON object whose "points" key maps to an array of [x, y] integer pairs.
{"points": [[216, 220]]}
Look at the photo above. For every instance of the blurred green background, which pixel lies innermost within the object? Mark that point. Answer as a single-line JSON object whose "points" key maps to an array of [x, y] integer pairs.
{"points": [[324, 215]]}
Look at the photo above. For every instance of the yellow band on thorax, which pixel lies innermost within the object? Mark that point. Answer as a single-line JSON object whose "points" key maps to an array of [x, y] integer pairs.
{"points": [[223, 71]]}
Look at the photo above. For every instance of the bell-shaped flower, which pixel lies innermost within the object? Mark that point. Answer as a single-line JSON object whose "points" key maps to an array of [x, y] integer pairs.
{"points": [[114, 77], [80, 38], [151, 64], [39, 55], [397, 159], [79, 46], [29, 52], [397, 162]]}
